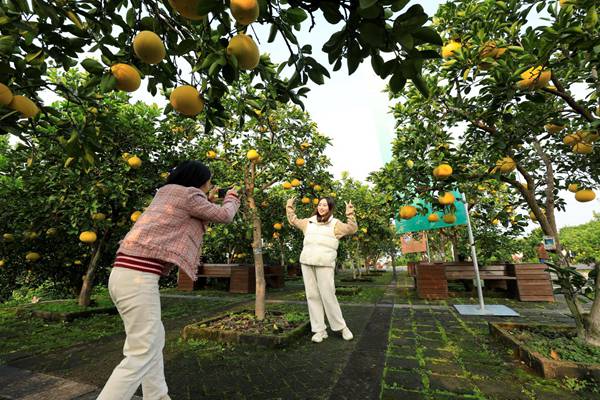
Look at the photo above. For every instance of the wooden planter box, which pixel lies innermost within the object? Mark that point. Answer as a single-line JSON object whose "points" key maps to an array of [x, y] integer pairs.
{"points": [[533, 282], [546, 367], [431, 281], [197, 331]]}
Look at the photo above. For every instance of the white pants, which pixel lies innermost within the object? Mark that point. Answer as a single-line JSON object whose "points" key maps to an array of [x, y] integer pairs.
{"points": [[319, 284], [136, 295]]}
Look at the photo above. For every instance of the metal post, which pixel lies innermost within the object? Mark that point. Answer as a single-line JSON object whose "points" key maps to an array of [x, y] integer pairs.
{"points": [[473, 255], [427, 246]]}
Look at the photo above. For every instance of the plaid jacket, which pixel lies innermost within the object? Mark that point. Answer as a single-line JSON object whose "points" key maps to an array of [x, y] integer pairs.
{"points": [[171, 229]]}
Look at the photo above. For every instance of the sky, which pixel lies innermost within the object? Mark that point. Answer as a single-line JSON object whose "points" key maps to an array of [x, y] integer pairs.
{"points": [[354, 112]]}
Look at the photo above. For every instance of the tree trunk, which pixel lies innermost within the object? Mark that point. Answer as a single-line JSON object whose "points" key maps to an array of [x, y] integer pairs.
{"points": [[591, 321], [394, 265], [587, 325], [85, 293]]}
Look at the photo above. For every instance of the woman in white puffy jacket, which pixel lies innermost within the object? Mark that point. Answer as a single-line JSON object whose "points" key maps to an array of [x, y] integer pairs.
{"points": [[321, 239]]}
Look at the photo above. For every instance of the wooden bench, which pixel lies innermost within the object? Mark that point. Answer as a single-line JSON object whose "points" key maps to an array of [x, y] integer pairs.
{"points": [[242, 278], [432, 279], [275, 276], [533, 282]]}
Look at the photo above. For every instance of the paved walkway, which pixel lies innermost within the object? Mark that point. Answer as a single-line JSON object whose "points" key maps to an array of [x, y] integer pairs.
{"points": [[400, 351]]}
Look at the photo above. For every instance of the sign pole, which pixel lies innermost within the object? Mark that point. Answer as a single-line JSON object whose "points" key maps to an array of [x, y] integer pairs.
{"points": [[474, 255]]}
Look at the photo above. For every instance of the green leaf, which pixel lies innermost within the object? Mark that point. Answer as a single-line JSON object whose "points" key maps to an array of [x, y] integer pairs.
{"points": [[186, 46], [397, 82], [108, 82], [331, 11], [428, 35], [272, 33], [130, 18], [373, 34], [406, 40], [398, 5], [92, 66], [354, 57], [420, 85], [295, 15], [364, 4]]}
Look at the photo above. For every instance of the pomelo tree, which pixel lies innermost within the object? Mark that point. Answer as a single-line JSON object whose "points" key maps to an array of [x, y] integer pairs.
{"points": [[265, 148], [64, 213], [523, 98], [200, 46]]}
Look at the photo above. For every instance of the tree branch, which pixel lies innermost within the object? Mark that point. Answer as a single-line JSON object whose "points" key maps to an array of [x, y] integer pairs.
{"points": [[560, 92]]}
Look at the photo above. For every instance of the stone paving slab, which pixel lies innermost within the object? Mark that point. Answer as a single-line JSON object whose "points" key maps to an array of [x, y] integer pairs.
{"points": [[19, 384]]}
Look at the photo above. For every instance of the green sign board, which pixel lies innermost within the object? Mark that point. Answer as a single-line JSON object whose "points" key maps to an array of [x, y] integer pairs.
{"points": [[420, 223]]}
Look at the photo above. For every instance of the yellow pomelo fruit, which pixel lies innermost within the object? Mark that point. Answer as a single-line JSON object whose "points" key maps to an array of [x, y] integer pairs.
{"points": [[449, 218], [490, 49], [553, 128], [295, 182], [135, 215], [8, 237], [187, 8], [245, 12], [299, 162], [98, 216], [51, 232], [495, 221], [148, 47], [410, 163], [583, 148], [316, 201], [588, 136], [407, 212], [585, 195], [252, 155], [287, 185], [450, 49], [186, 100], [24, 105], [573, 187], [88, 237], [275, 235], [446, 199], [32, 256], [2, 263], [572, 139], [535, 77], [304, 145], [433, 218], [128, 78], [305, 200], [6, 95], [277, 226], [506, 165], [134, 162], [211, 154], [442, 171], [245, 51], [317, 188]]}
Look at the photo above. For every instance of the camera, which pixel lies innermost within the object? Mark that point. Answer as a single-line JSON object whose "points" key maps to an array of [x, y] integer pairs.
{"points": [[222, 192]]}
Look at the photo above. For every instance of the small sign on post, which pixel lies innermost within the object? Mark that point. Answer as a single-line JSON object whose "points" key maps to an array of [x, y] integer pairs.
{"points": [[549, 243]]}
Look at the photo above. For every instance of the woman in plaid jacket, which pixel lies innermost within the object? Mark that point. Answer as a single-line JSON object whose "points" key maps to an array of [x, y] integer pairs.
{"points": [[169, 233]]}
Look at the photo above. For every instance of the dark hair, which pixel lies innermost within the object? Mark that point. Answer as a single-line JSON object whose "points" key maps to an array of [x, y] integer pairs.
{"points": [[189, 173], [331, 204]]}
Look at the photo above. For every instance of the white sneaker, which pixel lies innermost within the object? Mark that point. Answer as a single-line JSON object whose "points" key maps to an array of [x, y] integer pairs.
{"points": [[319, 336], [346, 334]]}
